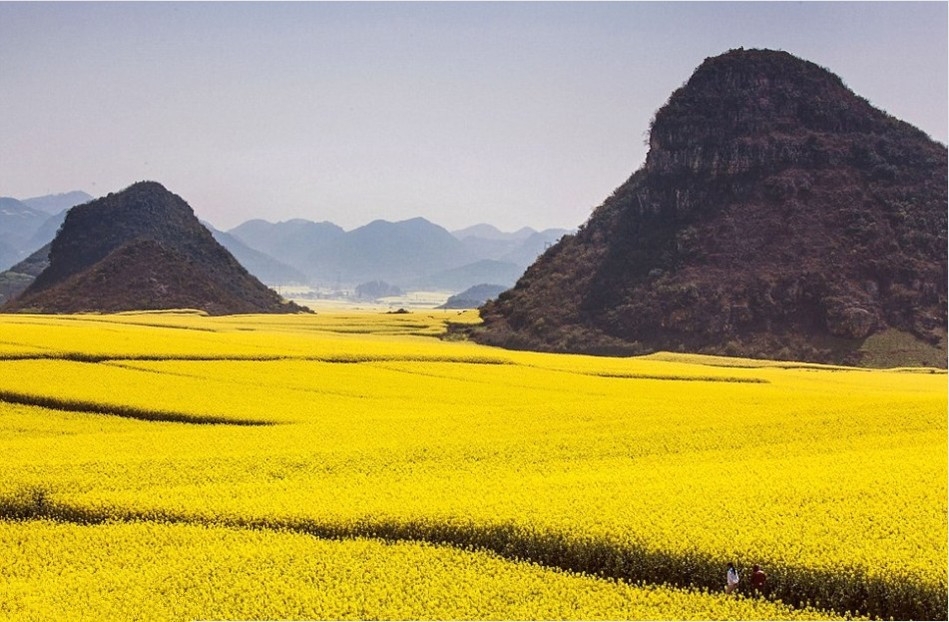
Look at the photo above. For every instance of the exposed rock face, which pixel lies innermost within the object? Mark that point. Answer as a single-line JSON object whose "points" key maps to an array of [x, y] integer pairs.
{"points": [[777, 215], [142, 248]]}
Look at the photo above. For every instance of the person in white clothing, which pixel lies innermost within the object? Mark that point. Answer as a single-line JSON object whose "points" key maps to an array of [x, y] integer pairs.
{"points": [[731, 579]]}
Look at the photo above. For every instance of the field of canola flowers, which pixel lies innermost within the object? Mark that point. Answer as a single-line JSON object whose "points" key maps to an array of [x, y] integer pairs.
{"points": [[354, 466]]}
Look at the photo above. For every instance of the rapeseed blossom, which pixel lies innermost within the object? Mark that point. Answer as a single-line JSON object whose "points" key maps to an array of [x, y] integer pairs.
{"points": [[651, 470]]}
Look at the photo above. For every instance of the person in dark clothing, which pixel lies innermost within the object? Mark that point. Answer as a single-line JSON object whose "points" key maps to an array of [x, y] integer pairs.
{"points": [[758, 578]]}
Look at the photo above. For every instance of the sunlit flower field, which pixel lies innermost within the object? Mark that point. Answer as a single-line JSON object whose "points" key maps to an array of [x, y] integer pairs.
{"points": [[172, 466]]}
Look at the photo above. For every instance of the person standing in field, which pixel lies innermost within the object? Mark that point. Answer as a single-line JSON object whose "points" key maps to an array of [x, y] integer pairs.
{"points": [[758, 578], [731, 579]]}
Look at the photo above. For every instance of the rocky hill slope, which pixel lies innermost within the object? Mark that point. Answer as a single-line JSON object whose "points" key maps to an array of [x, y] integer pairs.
{"points": [[777, 215], [142, 248]]}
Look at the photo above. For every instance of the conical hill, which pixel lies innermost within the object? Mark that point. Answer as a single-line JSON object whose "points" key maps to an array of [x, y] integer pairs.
{"points": [[138, 249], [778, 215]]}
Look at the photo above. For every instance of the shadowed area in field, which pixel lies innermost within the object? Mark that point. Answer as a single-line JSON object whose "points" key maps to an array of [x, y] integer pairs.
{"points": [[84, 357], [128, 412], [847, 592], [673, 377]]}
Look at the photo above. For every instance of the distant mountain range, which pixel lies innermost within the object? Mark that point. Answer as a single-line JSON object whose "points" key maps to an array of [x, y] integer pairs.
{"points": [[474, 297], [260, 264], [409, 254]]}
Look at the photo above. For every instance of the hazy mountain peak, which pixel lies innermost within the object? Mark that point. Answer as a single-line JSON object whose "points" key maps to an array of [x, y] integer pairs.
{"points": [[490, 232], [55, 203]]}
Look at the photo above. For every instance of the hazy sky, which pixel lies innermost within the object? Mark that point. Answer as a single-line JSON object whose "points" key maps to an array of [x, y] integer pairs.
{"points": [[512, 114]]}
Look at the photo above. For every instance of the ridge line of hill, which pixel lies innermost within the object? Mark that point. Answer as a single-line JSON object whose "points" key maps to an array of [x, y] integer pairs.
{"points": [[778, 215]]}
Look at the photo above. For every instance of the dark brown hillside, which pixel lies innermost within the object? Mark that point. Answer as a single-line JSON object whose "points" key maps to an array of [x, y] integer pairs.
{"points": [[142, 248], [778, 215]]}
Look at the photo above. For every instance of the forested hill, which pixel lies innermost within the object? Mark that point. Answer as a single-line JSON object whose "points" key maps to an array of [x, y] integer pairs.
{"points": [[142, 248], [777, 215]]}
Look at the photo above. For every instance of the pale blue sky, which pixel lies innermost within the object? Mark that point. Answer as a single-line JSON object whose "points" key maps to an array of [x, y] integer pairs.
{"points": [[514, 114]]}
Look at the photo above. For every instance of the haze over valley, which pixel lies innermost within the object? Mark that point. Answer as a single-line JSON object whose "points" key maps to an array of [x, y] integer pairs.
{"points": [[309, 259]]}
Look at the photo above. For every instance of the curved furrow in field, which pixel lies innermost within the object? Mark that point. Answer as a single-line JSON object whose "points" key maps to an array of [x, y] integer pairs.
{"points": [[842, 593], [120, 410]]}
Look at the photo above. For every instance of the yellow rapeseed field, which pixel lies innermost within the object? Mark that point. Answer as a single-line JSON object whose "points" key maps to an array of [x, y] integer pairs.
{"points": [[152, 571], [234, 468]]}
